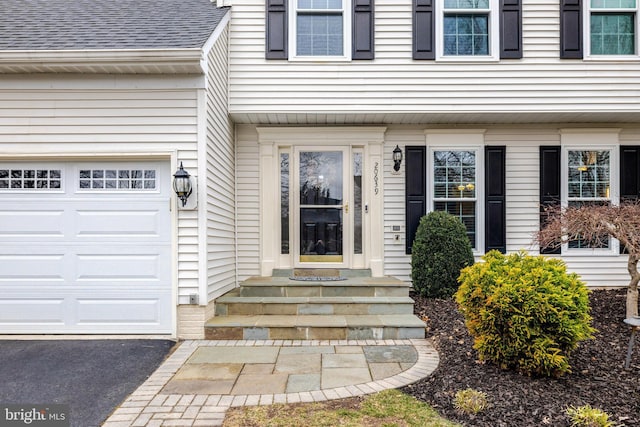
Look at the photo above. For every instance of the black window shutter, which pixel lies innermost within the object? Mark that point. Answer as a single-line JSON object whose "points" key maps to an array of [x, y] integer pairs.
{"points": [[423, 29], [363, 24], [571, 29], [549, 184], [510, 29], [629, 173], [495, 199], [629, 176], [415, 190], [276, 39]]}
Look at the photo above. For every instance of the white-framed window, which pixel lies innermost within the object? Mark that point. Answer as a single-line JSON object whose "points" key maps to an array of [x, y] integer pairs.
{"points": [[30, 178], [455, 186], [320, 29], [468, 29], [590, 177], [611, 28], [117, 179]]}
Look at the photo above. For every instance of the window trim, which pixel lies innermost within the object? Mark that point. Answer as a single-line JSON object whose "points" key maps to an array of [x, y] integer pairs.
{"points": [[586, 33], [346, 35], [614, 192], [35, 167], [494, 35], [480, 190]]}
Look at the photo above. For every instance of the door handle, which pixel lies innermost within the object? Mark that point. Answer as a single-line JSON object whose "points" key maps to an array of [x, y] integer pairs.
{"points": [[346, 207]]}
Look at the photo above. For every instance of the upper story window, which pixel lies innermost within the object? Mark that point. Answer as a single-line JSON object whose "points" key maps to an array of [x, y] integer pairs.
{"points": [[612, 27], [467, 26], [320, 28], [455, 30], [317, 30]]}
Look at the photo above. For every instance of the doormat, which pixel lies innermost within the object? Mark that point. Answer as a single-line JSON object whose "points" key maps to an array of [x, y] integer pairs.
{"points": [[316, 275], [317, 278]]}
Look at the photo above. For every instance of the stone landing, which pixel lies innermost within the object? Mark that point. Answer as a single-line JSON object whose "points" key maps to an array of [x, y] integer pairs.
{"points": [[317, 305]]}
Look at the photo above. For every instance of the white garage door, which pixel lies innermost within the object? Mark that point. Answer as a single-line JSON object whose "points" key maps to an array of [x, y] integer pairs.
{"points": [[85, 247]]}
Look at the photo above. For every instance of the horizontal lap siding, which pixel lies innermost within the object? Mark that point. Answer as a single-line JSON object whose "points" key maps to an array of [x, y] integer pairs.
{"points": [[522, 200], [220, 203], [115, 121], [248, 205], [394, 83]]}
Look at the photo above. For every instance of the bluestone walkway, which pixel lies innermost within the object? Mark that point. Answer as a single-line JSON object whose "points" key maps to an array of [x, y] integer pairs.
{"points": [[202, 379]]}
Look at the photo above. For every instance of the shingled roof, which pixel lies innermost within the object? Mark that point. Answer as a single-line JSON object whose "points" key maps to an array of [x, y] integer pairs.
{"points": [[107, 24]]}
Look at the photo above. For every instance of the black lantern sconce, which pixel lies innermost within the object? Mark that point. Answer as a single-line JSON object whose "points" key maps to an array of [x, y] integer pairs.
{"points": [[397, 158], [182, 184]]}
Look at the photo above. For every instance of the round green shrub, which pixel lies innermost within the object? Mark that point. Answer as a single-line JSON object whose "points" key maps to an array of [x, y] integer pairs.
{"points": [[440, 250], [524, 312]]}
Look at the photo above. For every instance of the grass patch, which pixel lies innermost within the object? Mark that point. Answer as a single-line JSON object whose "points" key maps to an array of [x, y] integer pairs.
{"points": [[386, 409]]}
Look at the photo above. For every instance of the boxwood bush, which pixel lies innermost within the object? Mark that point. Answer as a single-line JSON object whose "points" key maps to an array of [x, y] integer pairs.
{"points": [[524, 312], [440, 250]]}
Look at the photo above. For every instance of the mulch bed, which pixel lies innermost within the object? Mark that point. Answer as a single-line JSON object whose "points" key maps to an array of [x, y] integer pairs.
{"points": [[598, 377]]}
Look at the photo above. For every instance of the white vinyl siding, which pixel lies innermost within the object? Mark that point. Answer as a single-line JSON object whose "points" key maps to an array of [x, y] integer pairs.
{"points": [[113, 117], [220, 194], [522, 200], [540, 84], [248, 206]]}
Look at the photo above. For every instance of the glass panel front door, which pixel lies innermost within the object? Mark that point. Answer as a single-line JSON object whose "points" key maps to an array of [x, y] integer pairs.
{"points": [[322, 206]]}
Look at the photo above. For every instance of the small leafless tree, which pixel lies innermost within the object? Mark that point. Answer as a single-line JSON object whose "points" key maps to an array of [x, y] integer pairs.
{"points": [[594, 223]]}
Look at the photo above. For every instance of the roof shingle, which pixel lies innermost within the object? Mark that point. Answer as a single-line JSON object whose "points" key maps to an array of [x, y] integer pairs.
{"points": [[106, 24]]}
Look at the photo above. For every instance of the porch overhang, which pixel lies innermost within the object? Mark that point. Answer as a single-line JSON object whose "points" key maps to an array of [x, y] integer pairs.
{"points": [[363, 117]]}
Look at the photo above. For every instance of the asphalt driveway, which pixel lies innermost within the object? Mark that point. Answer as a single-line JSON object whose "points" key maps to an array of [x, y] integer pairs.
{"points": [[91, 376]]}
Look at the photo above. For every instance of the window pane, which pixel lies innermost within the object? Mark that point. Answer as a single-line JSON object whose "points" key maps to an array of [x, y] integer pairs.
{"points": [[582, 243], [284, 203], [612, 33], [319, 35], [613, 4], [589, 174], [454, 174], [320, 4], [466, 35], [357, 203], [466, 4], [465, 211]]}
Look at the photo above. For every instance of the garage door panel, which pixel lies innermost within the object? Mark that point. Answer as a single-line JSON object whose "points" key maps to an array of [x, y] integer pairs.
{"points": [[91, 311], [128, 224], [20, 223], [121, 267], [42, 311], [32, 268]]}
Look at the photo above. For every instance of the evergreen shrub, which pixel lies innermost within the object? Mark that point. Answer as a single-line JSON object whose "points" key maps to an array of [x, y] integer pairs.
{"points": [[440, 250], [524, 312]]}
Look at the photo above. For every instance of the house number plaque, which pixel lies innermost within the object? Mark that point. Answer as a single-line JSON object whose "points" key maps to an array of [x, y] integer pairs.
{"points": [[376, 189]]}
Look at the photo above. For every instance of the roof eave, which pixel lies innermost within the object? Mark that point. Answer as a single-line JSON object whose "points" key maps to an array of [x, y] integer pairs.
{"points": [[145, 61]]}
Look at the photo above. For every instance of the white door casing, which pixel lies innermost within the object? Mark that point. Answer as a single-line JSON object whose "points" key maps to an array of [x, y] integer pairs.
{"points": [[273, 141]]}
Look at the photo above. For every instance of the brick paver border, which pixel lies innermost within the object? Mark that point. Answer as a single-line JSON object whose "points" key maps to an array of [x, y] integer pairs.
{"points": [[146, 407]]}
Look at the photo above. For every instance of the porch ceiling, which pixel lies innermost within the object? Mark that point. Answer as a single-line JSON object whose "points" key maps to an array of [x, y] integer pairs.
{"points": [[418, 118]]}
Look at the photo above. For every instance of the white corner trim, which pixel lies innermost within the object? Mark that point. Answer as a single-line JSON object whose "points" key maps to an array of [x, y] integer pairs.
{"points": [[213, 38]]}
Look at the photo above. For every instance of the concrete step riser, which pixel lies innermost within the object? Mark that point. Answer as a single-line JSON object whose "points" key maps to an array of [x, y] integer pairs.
{"points": [[312, 333], [323, 291], [229, 309]]}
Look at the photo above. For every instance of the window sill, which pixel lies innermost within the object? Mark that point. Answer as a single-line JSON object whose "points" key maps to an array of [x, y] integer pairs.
{"points": [[319, 59], [590, 252], [612, 58], [471, 59]]}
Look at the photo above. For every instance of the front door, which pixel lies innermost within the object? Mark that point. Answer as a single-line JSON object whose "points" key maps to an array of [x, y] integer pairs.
{"points": [[322, 228]]}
